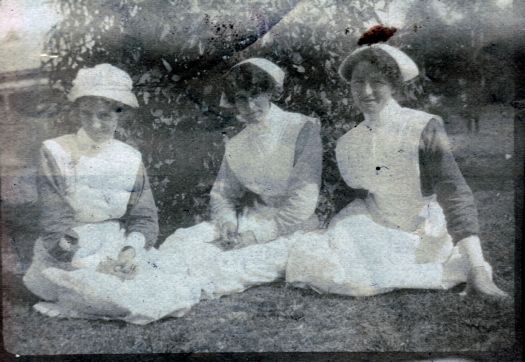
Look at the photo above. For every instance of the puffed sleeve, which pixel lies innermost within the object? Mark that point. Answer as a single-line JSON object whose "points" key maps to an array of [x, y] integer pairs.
{"points": [[440, 175], [305, 179], [57, 217], [141, 215], [225, 195]]}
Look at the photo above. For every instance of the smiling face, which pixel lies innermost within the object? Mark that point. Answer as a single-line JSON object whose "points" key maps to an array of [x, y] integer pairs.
{"points": [[252, 106], [371, 90], [250, 90], [99, 117]]}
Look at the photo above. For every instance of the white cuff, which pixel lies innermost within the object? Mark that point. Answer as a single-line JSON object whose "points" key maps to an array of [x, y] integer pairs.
{"points": [[136, 240], [471, 247]]}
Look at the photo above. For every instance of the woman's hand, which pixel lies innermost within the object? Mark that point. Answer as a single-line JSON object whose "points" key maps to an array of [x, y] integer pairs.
{"points": [[480, 280], [238, 241], [69, 241], [228, 231], [246, 238], [227, 236], [124, 267], [123, 271], [65, 244], [65, 249], [479, 275]]}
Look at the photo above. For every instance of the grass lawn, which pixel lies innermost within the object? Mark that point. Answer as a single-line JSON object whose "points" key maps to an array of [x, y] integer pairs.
{"points": [[278, 317]]}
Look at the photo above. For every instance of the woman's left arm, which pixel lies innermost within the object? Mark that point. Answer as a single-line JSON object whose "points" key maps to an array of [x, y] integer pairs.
{"points": [[305, 179], [440, 174], [141, 217]]}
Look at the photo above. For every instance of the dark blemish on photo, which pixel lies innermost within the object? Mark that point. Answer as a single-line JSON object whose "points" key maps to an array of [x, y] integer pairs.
{"points": [[376, 34]]}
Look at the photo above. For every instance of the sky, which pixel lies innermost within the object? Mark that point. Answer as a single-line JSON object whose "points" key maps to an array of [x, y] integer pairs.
{"points": [[23, 24]]}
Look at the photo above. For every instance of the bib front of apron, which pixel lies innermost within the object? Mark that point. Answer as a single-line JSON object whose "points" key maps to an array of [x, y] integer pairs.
{"points": [[98, 184], [385, 161], [262, 158]]}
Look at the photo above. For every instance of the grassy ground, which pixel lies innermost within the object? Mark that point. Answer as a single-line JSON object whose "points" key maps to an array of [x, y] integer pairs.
{"points": [[277, 317]]}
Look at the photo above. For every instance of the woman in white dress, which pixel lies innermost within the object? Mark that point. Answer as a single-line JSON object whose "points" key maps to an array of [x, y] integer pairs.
{"points": [[94, 190], [418, 204], [268, 184]]}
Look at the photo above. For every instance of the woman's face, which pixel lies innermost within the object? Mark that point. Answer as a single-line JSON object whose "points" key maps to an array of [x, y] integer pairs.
{"points": [[252, 106], [99, 117], [370, 88]]}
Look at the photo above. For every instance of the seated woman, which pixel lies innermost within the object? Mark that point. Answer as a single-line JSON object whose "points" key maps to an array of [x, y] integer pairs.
{"points": [[268, 183], [266, 189], [418, 204], [93, 189]]}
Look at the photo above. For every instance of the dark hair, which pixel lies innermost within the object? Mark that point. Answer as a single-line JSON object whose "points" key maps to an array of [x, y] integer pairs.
{"points": [[251, 78], [378, 57]]}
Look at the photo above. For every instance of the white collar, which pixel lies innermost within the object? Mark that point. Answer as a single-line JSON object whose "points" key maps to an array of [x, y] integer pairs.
{"points": [[271, 126], [266, 134], [87, 144], [267, 122], [390, 112]]}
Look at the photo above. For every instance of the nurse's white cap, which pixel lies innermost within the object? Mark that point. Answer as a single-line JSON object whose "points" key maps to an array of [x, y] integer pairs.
{"points": [[407, 68], [272, 69], [268, 67], [104, 80]]}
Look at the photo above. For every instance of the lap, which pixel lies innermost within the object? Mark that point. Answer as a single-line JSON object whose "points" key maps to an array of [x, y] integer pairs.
{"points": [[358, 256]]}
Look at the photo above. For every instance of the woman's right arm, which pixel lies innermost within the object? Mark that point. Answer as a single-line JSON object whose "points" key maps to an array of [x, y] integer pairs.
{"points": [[224, 197], [56, 217]]}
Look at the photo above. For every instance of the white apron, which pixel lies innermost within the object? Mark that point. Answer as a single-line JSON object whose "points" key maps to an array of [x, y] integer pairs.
{"points": [[99, 181], [385, 161], [262, 159]]}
